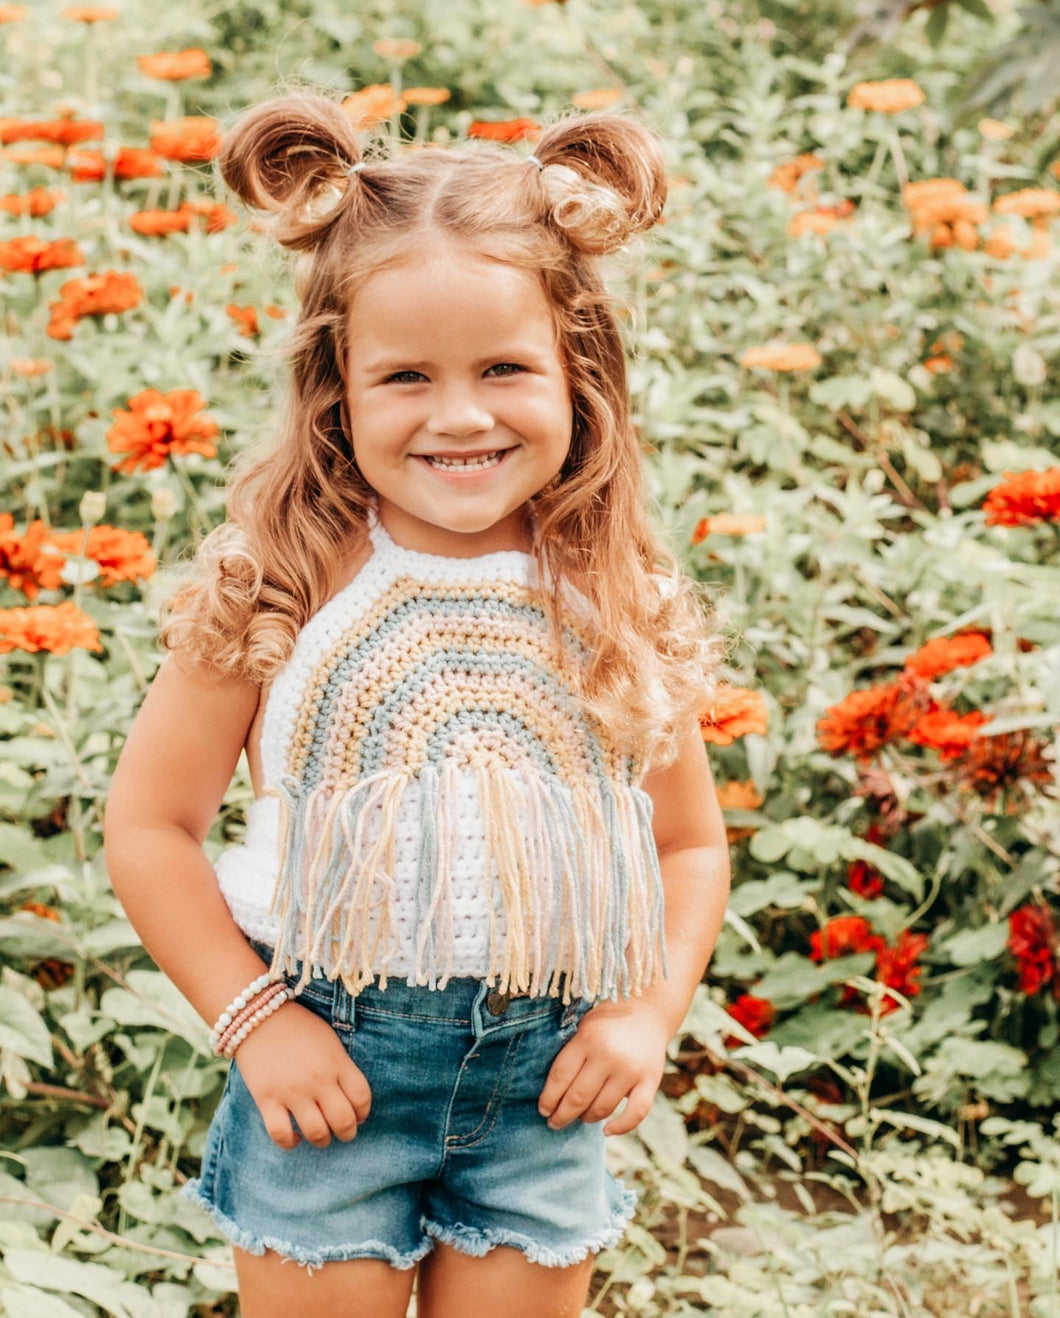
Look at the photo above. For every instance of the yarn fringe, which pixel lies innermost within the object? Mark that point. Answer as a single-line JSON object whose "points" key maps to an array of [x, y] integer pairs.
{"points": [[578, 873]]}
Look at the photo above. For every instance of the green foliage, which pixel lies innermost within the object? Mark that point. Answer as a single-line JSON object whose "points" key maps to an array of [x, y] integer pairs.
{"points": [[797, 1174]]}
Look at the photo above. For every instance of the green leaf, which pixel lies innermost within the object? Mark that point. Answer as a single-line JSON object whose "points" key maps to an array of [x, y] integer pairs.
{"points": [[664, 1132], [22, 1028], [29, 1302], [910, 1121], [783, 1062], [935, 27], [969, 947]]}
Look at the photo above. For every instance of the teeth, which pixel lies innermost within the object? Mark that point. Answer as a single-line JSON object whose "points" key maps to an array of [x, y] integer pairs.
{"points": [[469, 464]]}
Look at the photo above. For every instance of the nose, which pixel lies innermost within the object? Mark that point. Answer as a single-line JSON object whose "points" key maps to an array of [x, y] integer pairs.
{"points": [[457, 411]]}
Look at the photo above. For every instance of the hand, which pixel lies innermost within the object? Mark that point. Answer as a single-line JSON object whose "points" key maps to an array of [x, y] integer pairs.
{"points": [[294, 1064], [619, 1050]]}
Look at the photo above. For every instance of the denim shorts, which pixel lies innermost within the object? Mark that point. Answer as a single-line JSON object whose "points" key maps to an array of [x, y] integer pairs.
{"points": [[453, 1149]]}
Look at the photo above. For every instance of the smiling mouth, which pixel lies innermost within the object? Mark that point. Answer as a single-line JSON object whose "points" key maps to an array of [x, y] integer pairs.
{"points": [[468, 464]]}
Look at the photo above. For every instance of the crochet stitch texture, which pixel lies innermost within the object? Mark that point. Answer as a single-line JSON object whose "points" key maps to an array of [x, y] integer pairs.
{"points": [[437, 800]]}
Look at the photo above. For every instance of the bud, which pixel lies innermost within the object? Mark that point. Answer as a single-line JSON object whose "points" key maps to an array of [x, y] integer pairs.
{"points": [[163, 504], [1028, 365], [91, 508]]}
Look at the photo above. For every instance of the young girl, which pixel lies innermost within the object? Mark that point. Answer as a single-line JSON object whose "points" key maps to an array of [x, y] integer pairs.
{"points": [[485, 866]]}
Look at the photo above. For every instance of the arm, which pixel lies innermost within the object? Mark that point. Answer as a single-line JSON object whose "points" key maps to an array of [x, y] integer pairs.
{"points": [[620, 1047], [169, 782]]}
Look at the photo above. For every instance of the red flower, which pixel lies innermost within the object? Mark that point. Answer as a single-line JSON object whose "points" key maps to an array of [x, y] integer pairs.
{"points": [[1032, 941], [754, 1014], [864, 880], [1024, 497], [896, 967], [844, 935]]}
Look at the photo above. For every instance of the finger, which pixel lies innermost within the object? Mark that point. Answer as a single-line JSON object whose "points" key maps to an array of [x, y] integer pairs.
{"points": [[277, 1123], [580, 1093], [353, 1084], [565, 1066], [312, 1124], [605, 1102], [338, 1112], [636, 1109]]}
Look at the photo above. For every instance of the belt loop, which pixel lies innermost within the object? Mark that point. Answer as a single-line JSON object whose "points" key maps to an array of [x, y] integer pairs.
{"points": [[343, 1012]]}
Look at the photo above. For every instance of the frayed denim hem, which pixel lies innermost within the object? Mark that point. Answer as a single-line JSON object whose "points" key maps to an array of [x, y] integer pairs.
{"points": [[307, 1258], [471, 1240]]}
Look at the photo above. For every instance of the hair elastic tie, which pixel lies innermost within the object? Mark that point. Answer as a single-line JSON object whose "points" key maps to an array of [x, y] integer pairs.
{"points": [[355, 169], [533, 160]]}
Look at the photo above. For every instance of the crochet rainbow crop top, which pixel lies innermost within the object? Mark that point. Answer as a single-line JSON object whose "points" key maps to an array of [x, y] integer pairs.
{"points": [[437, 800]]}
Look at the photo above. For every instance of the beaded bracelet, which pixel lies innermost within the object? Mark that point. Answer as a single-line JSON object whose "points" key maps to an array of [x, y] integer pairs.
{"points": [[270, 1001], [237, 1004], [242, 1017]]}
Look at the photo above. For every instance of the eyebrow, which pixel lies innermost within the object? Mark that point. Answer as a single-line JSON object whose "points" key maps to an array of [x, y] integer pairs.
{"points": [[385, 364]]}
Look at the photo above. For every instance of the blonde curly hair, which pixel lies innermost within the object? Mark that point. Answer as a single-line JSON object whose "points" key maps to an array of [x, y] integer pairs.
{"points": [[293, 509]]}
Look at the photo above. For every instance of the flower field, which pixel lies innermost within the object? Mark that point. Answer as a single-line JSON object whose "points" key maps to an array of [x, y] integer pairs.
{"points": [[843, 343]]}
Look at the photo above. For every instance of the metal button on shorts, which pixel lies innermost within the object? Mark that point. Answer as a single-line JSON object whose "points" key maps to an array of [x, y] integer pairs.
{"points": [[497, 1002]]}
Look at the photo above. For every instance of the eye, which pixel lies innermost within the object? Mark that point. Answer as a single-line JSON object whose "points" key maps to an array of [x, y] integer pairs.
{"points": [[397, 376], [507, 366]]}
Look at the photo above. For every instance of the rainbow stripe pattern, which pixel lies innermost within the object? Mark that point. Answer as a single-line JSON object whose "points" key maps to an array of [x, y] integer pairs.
{"points": [[424, 674]]}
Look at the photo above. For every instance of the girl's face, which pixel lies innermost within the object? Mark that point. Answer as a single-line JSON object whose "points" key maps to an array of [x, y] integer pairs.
{"points": [[452, 355]]}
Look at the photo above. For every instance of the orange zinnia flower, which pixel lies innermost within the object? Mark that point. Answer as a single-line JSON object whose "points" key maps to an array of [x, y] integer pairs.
{"points": [[783, 357], [158, 426], [31, 366], [121, 555], [174, 66], [597, 99], [12, 13], [97, 295], [737, 795], [732, 711], [1029, 202], [946, 731], [33, 255], [1012, 763], [994, 130], [1001, 243], [373, 104], [195, 137], [396, 48], [89, 14], [505, 130], [727, 524], [216, 214], [426, 95], [245, 317], [34, 204], [945, 653], [130, 162], [1023, 498], [56, 628], [788, 173], [865, 721], [159, 224], [26, 563], [52, 156], [886, 96], [64, 131]]}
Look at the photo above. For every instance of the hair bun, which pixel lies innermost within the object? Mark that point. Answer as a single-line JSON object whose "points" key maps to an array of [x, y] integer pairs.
{"points": [[287, 156], [605, 177]]}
